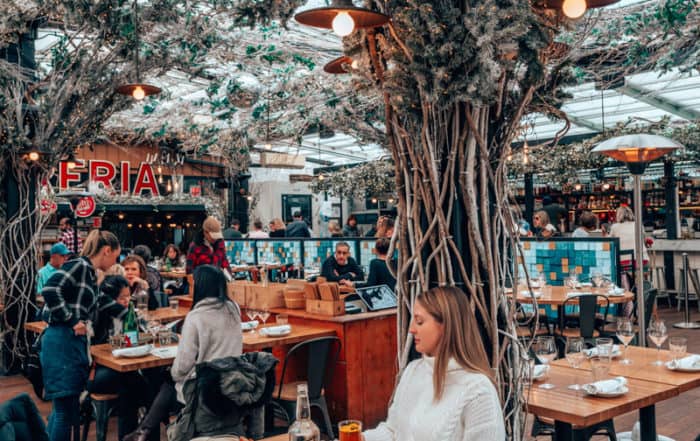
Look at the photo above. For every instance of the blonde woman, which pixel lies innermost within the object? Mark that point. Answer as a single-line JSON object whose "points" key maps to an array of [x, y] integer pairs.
{"points": [[449, 394], [623, 228], [334, 229], [542, 225]]}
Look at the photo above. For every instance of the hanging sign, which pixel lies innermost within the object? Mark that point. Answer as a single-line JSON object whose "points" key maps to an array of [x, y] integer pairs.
{"points": [[47, 207], [105, 172], [97, 222], [86, 207]]}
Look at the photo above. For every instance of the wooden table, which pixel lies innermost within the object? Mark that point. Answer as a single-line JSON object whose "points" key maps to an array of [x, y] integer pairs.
{"points": [[556, 295], [643, 369], [102, 354], [173, 274], [571, 408], [164, 315]]}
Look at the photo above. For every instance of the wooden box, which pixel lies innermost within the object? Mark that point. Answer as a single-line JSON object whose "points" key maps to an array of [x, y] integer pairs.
{"points": [[262, 297], [325, 307]]}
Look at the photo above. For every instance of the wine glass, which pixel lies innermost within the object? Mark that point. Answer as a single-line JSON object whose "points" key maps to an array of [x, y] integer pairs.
{"points": [[153, 327], [252, 314], [625, 333], [597, 279], [657, 334], [264, 314], [575, 355], [546, 351]]}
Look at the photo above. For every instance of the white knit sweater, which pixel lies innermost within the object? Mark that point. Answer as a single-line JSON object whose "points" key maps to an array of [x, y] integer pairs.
{"points": [[468, 411]]}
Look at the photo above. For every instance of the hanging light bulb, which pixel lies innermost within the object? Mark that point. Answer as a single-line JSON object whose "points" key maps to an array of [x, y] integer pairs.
{"points": [[33, 156], [160, 179], [606, 187], [268, 146], [574, 8], [169, 187], [374, 200], [321, 177], [120, 216], [138, 93], [577, 187], [343, 24]]}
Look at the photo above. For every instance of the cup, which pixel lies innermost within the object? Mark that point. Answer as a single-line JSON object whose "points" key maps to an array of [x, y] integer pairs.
{"points": [[164, 337], [530, 371], [350, 430], [605, 346], [174, 303], [678, 347], [600, 367], [116, 341], [282, 319]]}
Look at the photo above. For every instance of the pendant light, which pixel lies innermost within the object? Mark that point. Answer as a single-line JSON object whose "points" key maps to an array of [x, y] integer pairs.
{"points": [[343, 17], [137, 90], [576, 8]]}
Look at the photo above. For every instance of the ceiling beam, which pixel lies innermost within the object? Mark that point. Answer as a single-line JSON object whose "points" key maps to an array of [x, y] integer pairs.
{"points": [[581, 122], [645, 96]]}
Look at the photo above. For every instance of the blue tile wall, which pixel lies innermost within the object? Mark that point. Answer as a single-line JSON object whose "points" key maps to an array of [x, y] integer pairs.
{"points": [[282, 251], [240, 252]]}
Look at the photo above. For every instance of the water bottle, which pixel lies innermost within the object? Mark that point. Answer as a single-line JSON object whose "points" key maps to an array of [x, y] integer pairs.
{"points": [[303, 429]]}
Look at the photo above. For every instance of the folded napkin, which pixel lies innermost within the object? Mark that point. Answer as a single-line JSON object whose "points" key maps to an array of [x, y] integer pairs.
{"points": [[586, 284], [616, 291], [689, 362], [594, 351], [539, 370], [276, 330], [165, 352], [249, 326], [535, 294], [136, 351], [606, 386]]}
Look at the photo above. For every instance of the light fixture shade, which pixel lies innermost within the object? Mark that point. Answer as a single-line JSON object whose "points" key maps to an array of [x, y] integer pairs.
{"points": [[590, 4], [637, 148], [128, 89], [323, 17], [336, 66]]}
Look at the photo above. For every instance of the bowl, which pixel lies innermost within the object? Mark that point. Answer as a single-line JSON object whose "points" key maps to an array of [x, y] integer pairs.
{"points": [[293, 303]]}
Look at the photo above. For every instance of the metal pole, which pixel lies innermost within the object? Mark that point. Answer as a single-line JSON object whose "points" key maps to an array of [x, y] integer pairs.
{"points": [[639, 258], [687, 324]]}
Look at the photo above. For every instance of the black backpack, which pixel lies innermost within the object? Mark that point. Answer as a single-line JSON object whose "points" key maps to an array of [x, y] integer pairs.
{"points": [[32, 368]]}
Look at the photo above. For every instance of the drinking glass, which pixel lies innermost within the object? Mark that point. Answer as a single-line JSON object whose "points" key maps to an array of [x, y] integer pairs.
{"points": [[597, 279], [174, 303], [625, 333], [116, 340], [264, 314], [600, 366], [678, 347], [546, 351], [570, 282], [282, 319], [574, 355], [542, 280], [164, 336], [604, 345], [350, 430], [153, 327], [530, 366], [657, 334], [252, 314]]}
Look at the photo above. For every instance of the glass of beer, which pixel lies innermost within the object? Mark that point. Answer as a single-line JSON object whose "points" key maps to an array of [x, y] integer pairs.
{"points": [[350, 430]]}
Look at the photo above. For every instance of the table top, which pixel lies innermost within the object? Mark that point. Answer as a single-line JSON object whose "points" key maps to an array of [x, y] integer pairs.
{"points": [[301, 313], [556, 295], [173, 274], [643, 369], [102, 354], [578, 409]]}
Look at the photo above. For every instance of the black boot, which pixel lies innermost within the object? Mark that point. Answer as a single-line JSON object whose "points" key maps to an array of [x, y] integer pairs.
{"points": [[138, 435]]}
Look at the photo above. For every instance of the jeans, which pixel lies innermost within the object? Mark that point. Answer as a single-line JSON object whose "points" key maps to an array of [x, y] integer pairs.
{"points": [[64, 418]]}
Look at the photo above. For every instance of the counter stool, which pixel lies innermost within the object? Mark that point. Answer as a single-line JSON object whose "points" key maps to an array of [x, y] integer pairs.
{"points": [[659, 279], [102, 407], [695, 281]]}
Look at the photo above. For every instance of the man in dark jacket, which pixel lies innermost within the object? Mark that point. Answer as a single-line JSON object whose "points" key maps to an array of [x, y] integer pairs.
{"points": [[298, 228], [341, 267]]}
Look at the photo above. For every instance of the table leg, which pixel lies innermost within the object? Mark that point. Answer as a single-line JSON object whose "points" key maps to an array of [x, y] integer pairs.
{"points": [[563, 431], [647, 423]]}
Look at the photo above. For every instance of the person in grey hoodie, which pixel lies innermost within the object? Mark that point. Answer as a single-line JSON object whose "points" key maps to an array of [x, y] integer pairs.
{"points": [[203, 339]]}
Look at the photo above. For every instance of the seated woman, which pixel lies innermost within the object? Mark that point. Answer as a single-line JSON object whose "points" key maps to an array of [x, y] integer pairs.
{"points": [[378, 272], [135, 271], [212, 330], [449, 394], [112, 306], [543, 227]]}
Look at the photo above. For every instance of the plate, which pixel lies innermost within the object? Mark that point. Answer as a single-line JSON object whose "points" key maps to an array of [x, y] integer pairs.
{"points": [[617, 393], [275, 334], [679, 369]]}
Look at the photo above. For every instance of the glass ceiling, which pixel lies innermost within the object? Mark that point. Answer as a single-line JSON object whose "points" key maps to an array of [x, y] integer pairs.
{"points": [[645, 96]]}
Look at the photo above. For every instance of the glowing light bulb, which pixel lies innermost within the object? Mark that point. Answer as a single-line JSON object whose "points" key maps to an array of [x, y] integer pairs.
{"points": [[574, 8], [354, 64], [606, 186], [578, 187], [138, 93], [343, 24], [34, 156], [268, 146], [374, 200], [321, 177], [169, 187], [121, 215], [250, 198]]}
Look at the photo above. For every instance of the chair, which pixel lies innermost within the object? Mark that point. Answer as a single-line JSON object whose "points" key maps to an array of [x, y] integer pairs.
{"points": [[587, 319], [660, 285], [320, 352], [545, 427], [526, 329], [692, 296], [101, 405]]}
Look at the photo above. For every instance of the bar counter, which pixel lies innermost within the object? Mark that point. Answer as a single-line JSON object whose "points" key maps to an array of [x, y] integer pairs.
{"points": [[676, 248], [363, 377]]}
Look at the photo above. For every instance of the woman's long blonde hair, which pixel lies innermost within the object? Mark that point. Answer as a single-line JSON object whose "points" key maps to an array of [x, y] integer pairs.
{"points": [[96, 240], [461, 338]]}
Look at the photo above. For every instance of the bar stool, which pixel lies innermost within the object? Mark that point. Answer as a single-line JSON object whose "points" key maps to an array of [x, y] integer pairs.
{"points": [[659, 279], [693, 276], [102, 407]]}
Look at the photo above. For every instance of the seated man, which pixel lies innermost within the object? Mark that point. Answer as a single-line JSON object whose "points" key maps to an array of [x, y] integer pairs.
{"points": [[341, 267]]}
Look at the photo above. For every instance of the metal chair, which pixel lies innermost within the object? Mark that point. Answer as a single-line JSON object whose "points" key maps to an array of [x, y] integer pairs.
{"points": [[659, 281], [101, 406], [320, 353], [692, 296], [587, 320]]}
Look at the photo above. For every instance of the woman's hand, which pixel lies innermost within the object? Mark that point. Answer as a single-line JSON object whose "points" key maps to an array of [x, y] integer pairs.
{"points": [[80, 328], [139, 282]]}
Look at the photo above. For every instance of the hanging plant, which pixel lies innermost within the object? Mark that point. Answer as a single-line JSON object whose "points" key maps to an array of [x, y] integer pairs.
{"points": [[367, 179]]}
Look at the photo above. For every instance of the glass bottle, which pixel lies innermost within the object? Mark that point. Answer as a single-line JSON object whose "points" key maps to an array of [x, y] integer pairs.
{"points": [[303, 428], [131, 329]]}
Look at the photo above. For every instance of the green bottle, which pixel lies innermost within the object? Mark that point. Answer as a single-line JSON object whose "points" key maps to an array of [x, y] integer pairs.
{"points": [[131, 328]]}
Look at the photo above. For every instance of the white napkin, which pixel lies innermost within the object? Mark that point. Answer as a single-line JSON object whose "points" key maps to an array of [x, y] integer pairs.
{"points": [[539, 370], [606, 386], [249, 326], [689, 362], [594, 351], [135, 351], [586, 284], [535, 294], [165, 352], [276, 330], [616, 291]]}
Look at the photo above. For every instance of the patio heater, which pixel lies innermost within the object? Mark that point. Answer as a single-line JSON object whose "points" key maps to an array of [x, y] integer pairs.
{"points": [[637, 151]]}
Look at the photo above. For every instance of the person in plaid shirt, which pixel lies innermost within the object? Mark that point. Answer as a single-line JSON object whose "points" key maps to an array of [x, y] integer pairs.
{"points": [[71, 301], [209, 249], [69, 236]]}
